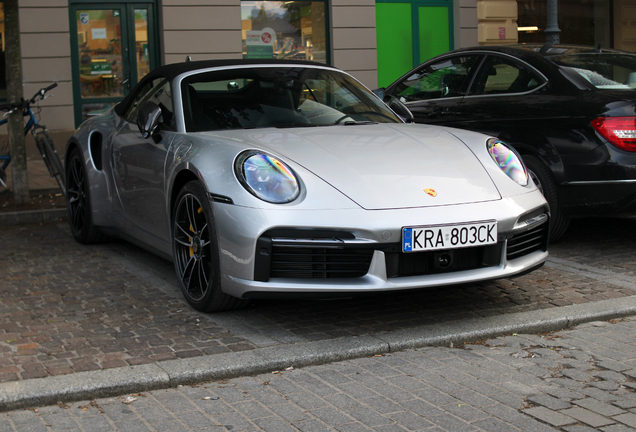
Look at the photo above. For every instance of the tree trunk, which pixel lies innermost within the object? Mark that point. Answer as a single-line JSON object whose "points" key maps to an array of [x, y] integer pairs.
{"points": [[14, 95]]}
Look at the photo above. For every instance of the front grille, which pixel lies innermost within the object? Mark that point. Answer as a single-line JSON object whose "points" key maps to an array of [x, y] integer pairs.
{"points": [[442, 261], [325, 255], [319, 263], [527, 242]]}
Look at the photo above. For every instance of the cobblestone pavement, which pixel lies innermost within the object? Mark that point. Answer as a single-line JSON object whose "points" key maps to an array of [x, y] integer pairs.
{"points": [[575, 380], [67, 308], [39, 177]]}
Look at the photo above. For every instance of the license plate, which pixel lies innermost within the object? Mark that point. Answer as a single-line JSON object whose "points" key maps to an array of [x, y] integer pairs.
{"points": [[434, 237]]}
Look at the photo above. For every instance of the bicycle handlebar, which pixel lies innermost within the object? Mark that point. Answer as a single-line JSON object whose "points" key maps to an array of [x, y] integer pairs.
{"points": [[41, 92], [25, 104]]}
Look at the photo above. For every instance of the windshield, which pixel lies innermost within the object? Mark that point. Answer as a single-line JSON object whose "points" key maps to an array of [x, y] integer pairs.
{"points": [[602, 70], [278, 97]]}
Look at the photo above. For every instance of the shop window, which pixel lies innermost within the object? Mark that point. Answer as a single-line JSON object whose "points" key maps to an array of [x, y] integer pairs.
{"points": [[293, 30], [581, 22]]}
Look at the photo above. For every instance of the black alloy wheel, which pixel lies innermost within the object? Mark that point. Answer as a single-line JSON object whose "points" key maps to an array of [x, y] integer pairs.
{"points": [[542, 177], [78, 203], [196, 255]]}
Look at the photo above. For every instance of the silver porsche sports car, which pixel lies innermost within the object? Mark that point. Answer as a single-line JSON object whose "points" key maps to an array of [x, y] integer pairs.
{"points": [[263, 179]]}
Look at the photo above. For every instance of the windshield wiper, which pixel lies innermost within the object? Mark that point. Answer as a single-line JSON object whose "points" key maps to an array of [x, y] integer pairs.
{"points": [[353, 122], [293, 125]]}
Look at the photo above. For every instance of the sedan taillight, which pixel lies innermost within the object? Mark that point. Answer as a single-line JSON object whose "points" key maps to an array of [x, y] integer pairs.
{"points": [[620, 131]]}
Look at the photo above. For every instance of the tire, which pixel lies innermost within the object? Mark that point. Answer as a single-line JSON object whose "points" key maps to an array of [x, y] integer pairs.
{"points": [[78, 201], [196, 252], [51, 158], [543, 178]]}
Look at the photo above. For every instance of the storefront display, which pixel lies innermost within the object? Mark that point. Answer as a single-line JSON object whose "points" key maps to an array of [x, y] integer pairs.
{"points": [[99, 40], [284, 30], [580, 22]]}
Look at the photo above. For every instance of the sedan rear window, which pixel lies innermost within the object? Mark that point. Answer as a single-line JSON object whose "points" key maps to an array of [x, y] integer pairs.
{"points": [[602, 70]]}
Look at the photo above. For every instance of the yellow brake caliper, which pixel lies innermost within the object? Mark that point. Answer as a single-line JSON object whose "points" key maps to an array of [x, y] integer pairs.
{"points": [[192, 230]]}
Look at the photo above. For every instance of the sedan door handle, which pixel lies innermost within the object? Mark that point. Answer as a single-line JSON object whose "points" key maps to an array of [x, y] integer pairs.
{"points": [[441, 114]]}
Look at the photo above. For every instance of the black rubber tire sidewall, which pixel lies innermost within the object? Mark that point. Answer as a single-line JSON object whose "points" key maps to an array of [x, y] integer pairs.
{"points": [[88, 233], [558, 222]]}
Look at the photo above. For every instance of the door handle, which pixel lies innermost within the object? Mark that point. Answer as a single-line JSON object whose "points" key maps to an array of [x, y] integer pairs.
{"points": [[126, 82], [441, 114]]}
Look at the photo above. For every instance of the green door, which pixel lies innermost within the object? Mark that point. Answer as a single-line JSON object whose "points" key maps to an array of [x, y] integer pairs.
{"points": [[409, 33], [112, 47]]}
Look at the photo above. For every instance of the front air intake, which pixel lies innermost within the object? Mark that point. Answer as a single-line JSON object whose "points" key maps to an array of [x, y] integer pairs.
{"points": [[319, 263], [527, 242]]}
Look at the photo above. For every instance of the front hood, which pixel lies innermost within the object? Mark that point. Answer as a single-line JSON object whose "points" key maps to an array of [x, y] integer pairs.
{"points": [[382, 166]]}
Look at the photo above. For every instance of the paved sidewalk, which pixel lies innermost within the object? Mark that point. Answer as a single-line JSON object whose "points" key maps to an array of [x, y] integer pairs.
{"points": [[38, 175], [40, 183], [575, 380], [78, 322]]}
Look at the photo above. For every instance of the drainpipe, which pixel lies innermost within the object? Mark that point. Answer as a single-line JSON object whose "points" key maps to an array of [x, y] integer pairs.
{"points": [[552, 30]]}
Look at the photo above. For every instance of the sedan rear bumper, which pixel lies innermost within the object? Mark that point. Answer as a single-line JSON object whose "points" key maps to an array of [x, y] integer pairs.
{"points": [[599, 198]]}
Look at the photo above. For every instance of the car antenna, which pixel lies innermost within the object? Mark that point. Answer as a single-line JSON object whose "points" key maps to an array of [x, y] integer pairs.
{"points": [[545, 48], [188, 59], [598, 48]]}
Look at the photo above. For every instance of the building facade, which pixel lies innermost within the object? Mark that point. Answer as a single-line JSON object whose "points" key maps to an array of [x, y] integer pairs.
{"points": [[97, 51]]}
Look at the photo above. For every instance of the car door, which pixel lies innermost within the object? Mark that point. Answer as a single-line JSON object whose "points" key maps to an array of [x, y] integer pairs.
{"points": [[433, 90], [139, 163]]}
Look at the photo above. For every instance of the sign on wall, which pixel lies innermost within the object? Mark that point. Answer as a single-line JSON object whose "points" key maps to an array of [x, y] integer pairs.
{"points": [[260, 43]]}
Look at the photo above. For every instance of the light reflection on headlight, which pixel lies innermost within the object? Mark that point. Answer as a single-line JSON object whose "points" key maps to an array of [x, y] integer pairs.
{"points": [[267, 177], [508, 160]]}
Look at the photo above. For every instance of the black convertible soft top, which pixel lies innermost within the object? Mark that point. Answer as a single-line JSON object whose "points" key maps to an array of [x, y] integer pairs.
{"points": [[170, 71]]}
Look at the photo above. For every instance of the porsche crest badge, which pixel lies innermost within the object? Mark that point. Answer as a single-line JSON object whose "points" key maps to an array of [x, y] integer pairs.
{"points": [[431, 192]]}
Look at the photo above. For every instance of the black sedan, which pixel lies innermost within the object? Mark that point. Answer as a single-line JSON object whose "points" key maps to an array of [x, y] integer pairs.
{"points": [[570, 111]]}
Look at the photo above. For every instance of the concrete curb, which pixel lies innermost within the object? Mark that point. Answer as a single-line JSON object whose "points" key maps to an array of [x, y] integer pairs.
{"points": [[34, 216], [118, 381]]}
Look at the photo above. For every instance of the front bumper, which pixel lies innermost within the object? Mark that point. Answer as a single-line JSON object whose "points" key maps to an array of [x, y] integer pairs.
{"points": [[377, 280], [241, 232]]}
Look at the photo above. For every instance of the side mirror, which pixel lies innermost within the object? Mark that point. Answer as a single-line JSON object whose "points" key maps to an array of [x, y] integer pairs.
{"points": [[399, 108], [380, 92], [149, 118]]}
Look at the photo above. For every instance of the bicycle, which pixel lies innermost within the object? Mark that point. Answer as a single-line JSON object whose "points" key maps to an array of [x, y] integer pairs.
{"points": [[41, 136]]}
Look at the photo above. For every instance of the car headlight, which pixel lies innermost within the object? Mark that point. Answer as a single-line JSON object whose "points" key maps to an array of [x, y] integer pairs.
{"points": [[508, 160], [267, 177]]}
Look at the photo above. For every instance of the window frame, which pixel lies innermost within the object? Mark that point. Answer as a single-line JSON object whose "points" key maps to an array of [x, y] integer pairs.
{"points": [[514, 60], [474, 69], [144, 94]]}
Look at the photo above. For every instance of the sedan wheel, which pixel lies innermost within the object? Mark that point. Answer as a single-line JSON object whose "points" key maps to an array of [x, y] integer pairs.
{"points": [[196, 255], [78, 202], [542, 177]]}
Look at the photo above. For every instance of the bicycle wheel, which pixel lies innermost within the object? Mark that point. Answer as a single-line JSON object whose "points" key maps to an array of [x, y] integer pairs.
{"points": [[3, 181], [52, 161]]}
